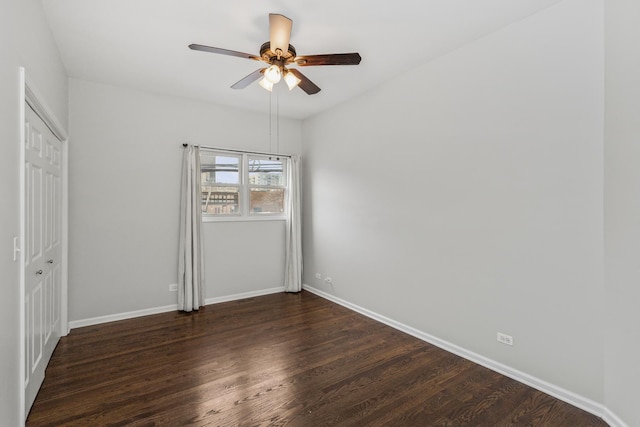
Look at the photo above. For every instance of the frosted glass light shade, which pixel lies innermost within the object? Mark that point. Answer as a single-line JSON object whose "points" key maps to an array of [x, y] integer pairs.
{"points": [[266, 84], [291, 80], [273, 74]]}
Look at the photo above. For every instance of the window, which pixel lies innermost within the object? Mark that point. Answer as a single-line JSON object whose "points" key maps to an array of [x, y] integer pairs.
{"points": [[266, 185], [242, 186], [220, 182]]}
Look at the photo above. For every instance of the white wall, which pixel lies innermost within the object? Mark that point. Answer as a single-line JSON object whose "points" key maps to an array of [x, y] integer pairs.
{"points": [[622, 209], [25, 41], [465, 197], [125, 162]]}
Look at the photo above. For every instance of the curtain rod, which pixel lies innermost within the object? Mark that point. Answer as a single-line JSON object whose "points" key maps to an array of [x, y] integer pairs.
{"points": [[288, 156]]}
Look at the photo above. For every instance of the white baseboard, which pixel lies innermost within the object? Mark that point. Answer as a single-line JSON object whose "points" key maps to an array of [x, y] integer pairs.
{"points": [[612, 419], [155, 310], [570, 397], [244, 295], [120, 316]]}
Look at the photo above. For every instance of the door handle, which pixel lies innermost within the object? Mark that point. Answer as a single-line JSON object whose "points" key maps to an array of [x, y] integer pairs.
{"points": [[39, 272], [49, 261]]}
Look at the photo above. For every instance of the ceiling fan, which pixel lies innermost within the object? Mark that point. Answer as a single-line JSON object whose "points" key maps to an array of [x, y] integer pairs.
{"points": [[279, 54]]}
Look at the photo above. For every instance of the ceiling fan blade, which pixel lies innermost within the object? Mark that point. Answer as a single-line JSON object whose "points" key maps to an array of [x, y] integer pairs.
{"points": [[329, 59], [221, 51], [279, 32], [241, 84], [305, 84]]}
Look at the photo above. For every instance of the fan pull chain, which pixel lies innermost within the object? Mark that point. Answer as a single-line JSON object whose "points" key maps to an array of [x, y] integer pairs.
{"points": [[270, 119], [278, 124]]}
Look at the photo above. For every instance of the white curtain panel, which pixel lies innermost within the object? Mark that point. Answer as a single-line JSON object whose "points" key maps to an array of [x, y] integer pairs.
{"points": [[190, 277], [293, 244]]}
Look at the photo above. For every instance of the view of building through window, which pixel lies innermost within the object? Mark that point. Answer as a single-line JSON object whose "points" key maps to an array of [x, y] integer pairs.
{"points": [[266, 184], [220, 182]]}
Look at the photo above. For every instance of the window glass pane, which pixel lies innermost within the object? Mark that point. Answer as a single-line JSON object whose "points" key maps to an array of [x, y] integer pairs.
{"points": [[220, 200], [266, 200], [219, 169], [265, 171]]}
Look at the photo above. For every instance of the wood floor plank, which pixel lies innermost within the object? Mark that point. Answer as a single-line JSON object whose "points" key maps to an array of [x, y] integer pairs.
{"points": [[276, 360]]}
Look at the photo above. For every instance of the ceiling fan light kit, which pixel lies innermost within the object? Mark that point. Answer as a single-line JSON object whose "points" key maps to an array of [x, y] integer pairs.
{"points": [[279, 54]]}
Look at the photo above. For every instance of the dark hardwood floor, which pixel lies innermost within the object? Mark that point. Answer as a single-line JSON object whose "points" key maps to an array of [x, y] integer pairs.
{"points": [[281, 359]]}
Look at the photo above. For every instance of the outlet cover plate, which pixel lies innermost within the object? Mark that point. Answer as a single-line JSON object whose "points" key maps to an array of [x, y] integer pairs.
{"points": [[505, 339]]}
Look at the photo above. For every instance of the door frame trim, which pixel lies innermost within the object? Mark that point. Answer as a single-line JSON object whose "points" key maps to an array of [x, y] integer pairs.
{"points": [[30, 96]]}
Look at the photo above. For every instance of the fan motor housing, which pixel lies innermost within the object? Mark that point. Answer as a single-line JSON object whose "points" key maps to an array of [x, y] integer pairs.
{"points": [[269, 56]]}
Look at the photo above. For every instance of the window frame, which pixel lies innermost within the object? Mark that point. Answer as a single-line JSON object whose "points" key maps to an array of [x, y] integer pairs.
{"points": [[244, 195]]}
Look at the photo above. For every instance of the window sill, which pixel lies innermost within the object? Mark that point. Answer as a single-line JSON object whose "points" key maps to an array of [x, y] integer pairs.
{"points": [[243, 218]]}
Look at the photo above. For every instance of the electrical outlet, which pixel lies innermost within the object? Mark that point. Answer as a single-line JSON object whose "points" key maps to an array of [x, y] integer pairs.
{"points": [[173, 287], [505, 339], [318, 276], [328, 280]]}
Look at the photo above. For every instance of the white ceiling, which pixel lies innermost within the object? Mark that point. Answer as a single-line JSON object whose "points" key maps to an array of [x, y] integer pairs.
{"points": [[142, 44]]}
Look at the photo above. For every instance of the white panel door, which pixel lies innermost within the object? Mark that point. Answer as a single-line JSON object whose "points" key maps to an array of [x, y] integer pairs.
{"points": [[43, 250]]}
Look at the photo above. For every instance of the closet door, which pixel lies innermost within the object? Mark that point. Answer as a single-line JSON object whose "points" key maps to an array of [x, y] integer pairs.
{"points": [[43, 250]]}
